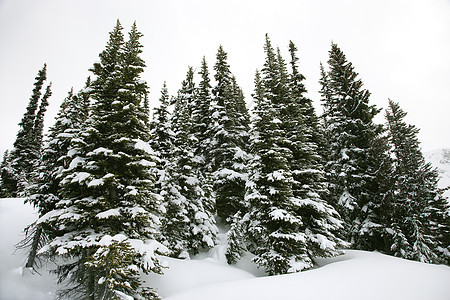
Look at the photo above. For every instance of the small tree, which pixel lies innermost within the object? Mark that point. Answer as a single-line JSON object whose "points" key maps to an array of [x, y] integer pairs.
{"points": [[419, 211], [188, 224], [44, 191], [201, 117], [229, 136], [272, 224], [7, 179], [27, 146], [161, 135]]}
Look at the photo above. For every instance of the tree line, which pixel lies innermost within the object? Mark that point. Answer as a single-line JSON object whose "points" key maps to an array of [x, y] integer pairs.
{"points": [[116, 190]]}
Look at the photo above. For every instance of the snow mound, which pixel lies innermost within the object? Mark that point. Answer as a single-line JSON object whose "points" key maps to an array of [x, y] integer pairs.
{"points": [[356, 275], [16, 282], [353, 276]]}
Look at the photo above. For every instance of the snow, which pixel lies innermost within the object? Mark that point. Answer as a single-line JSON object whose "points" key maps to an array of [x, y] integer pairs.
{"points": [[80, 177], [240, 154], [17, 282], [346, 200], [192, 180], [277, 121], [75, 162], [146, 163], [65, 134], [144, 146], [108, 213], [353, 276], [101, 150], [323, 241], [95, 182], [276, 175], [357, 275], [440, 159], [230, 174]]}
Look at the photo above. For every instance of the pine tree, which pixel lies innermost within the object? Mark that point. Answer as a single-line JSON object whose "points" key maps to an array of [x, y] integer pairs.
{"points": [[27, 146], [188, 224], [272, 225], [7, 178], [352, 134], [44, 190], [106, 221], [160, 127], [201, 115], [305, 137], [313, 129], [238, 240], [161, 134], [38, 126], [229, 134], [242, 113], [286, 207], [419, 211]]}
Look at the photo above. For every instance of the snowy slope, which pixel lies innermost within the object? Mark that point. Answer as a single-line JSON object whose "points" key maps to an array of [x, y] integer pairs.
{"points": [[441, 159], [354, 276], [357, 275], [15, 283]]}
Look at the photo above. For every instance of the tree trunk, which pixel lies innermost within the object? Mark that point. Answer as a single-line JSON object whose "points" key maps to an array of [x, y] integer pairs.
{"points": [[34, 247]]}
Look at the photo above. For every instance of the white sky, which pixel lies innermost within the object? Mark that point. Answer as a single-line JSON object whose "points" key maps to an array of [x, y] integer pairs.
{"points": [[400, 48]]}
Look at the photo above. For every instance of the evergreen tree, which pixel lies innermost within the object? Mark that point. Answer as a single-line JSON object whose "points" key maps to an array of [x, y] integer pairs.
{"points": [[229, 134], [161, 134], [237, 237], [44, 191], [352, 135], [201, 115], [188, 225], [313, 129], [7, 178], [419, 211], [27, 146], [106, 221], [242, 113], [161, 137], [38, 126], [272, 224], [304, 137]]}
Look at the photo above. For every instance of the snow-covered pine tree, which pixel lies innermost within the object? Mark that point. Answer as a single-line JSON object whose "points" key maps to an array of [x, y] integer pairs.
{"points": [[313, 129], [229, 135], [304, 137], [106, 221], [201, 116], [243, 115], [351, 132], [161, 134], [237, 237], [27, 146], [272, 224], [419, 212], [160, 125], [44, 190], [200, 135], [7, 178], [188, 225], [38, 126]]}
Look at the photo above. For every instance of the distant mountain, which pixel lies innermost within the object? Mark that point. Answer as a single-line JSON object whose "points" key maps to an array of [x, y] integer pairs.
{"points": [[441, 159]]}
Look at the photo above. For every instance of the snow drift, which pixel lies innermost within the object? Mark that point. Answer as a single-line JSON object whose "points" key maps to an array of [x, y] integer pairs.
{"points": [[355, 275]]}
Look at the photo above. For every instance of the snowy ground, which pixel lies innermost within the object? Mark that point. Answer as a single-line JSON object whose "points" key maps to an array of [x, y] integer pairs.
{"points": [[356, 275]]}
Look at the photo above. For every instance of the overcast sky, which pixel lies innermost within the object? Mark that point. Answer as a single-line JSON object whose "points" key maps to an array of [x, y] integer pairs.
{"points": [[400, 48]]}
